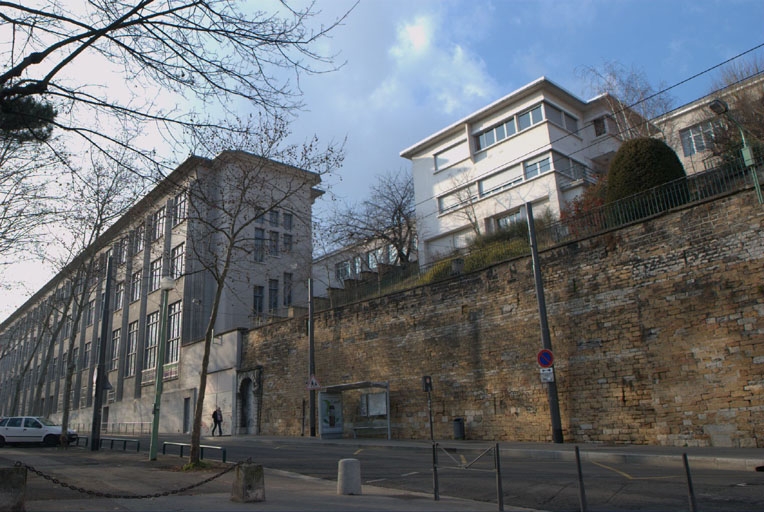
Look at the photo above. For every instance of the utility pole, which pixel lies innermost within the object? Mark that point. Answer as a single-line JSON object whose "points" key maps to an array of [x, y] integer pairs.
{"points": [[101, 379], [554, 405]]}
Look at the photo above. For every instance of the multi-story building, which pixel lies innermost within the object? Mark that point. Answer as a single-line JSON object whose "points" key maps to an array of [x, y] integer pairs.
{"points": [[691, 129], [539, 144], [181, 229]]}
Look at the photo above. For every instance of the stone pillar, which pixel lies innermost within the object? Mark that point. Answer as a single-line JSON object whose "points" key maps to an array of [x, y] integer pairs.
{"points": [[349, 476], [249, 483], [13, 485]]}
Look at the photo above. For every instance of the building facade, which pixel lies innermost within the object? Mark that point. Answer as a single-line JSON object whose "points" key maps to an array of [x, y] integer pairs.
{"points": [[252, 209], [539, 144]]}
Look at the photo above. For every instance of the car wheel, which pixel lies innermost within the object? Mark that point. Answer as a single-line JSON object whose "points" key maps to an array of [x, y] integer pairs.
{"points": [[2, 441], [50, 440]]}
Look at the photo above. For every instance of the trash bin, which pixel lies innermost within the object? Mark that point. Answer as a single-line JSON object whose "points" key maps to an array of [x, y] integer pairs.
{"points": [[458, 428]]}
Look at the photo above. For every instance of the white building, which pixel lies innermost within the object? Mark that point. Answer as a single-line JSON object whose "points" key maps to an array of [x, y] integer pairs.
{"points": [[167, 234], [539, 144]]}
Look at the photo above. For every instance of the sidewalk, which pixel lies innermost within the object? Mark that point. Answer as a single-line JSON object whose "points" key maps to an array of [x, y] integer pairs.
{"points": [[132, 474]]}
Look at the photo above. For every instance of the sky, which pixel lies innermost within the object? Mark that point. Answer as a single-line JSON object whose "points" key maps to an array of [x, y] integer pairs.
{"points": [[413, 67]]}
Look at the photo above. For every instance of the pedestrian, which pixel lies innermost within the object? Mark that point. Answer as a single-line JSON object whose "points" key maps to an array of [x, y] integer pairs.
{"points": [[217, 420]]}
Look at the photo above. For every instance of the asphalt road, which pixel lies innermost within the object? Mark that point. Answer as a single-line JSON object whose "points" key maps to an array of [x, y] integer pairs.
{"points": [[532, 483]]}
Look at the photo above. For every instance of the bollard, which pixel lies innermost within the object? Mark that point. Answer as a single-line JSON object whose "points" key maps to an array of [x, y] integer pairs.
{"points": [[13, 485], [249, 483], [349, 476]]}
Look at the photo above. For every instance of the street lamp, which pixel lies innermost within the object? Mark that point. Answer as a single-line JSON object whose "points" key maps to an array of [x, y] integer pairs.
{"points": [[166, 284], [720, 107]]}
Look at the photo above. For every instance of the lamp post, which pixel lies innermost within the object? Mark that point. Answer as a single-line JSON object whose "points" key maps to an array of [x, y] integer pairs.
{"points": [[166, 284], [720, 107]]}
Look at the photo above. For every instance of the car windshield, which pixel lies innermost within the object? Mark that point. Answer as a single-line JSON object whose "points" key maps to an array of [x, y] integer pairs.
{"points": [[46, 422]]}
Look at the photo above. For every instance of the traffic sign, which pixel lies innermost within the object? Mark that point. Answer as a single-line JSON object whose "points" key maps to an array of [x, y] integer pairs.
{"points": [[547, 374], [545, 358], [313, 383]]}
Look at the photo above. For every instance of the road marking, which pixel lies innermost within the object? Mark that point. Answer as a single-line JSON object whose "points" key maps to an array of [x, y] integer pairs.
{"points": [[464, 460], [628, 476], [375, 481], [359, 450], [412, 473]]}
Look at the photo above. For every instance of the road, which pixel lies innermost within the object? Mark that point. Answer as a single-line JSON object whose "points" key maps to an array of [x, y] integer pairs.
{"points": [[532, 483]]}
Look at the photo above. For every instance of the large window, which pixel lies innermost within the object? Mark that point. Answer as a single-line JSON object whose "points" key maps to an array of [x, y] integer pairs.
{"points": [[89, 312], [287, 221], [179, 208], [155, 274], [536, 167], [288, 243], [152, 341], [132, 348], [528, 119], [259, 301], [86, 355], [173, 336], [116, 337], [119, 295], [273, 295], [140, 235], [177, 261], [287, 289], [122, 251], [273, 218], [273, 243], [699, 137], [259, 245], [157, 224], [135, 286]]}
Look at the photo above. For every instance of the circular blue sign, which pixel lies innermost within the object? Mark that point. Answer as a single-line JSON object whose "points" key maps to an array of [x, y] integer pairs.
{"points": [[545, 358]]}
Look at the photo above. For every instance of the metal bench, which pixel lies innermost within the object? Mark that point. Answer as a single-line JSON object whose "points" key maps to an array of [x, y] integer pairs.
{"points": [[182, 446], [369, 428], [124, 441]]}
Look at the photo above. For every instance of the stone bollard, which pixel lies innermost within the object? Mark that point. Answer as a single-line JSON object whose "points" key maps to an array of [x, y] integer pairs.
{"points": [[249, 483], [349, 476], [13, 486]]}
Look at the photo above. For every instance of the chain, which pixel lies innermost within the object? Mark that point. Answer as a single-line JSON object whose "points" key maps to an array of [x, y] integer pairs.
{"points": [[82, 490]]}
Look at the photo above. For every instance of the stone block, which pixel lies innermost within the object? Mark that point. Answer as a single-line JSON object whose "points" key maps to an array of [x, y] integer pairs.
{"points": [[248, 484], [13, 485], [349, 476]]}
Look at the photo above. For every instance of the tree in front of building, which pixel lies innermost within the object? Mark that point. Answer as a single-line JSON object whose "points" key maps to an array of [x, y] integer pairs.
{"points": [[641, 164], [386, 219]]}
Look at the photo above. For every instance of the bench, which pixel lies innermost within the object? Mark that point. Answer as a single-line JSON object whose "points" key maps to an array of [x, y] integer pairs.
{"points": [[201, 449], [369, 428], [124, 442]]}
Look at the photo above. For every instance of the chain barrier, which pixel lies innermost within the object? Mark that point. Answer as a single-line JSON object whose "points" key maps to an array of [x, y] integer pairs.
{"points": [[99, 494]]}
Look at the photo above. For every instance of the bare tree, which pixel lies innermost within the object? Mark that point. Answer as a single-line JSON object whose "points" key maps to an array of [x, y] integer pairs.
{"points": [[746, 103], [387, 218], [633, 102], [217, 54], [226, 203]]}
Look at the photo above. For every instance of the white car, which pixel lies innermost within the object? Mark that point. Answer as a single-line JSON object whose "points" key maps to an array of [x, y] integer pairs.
{"points": [[32, 429]]}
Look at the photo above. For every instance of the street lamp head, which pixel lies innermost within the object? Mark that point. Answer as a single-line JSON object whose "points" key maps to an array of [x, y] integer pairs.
{"points": [[718, 106], [167, 283]]}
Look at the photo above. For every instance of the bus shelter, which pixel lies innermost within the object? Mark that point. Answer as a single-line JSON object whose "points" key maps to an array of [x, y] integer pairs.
{"points": [[371, 415]]}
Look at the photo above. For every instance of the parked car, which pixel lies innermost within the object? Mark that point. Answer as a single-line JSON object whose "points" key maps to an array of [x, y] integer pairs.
{"points": [[32, 429]]}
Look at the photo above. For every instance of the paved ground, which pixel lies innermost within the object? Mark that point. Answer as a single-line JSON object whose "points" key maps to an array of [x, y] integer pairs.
{"points": [[120, 476]]}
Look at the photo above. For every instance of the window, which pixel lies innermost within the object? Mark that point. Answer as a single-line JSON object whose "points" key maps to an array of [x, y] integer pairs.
{"points": [[571, 123], [273, 242], [152, 340], [140, 235], [132, 348], [155, 274], [259, 245], [273, 218], [699, 137], [259, 300], [89, 312], [157, 224], [173, 335], [122, 251], [287, 289], [508, 220], [288, 243], [451, 156], [116, 336], [534, 168], [177, 261], [273, 295], [528, 119], [554, 114], [287, 219], [600, 128], [342, 270], [135, 286], [86, 356], [179, 208], [119, 295]]}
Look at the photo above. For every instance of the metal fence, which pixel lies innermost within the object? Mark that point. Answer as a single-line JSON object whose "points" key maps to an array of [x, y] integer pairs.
{"points": [[724, 179]]}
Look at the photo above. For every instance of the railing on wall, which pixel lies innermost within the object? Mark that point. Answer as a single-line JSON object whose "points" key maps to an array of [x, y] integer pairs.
{"points": [[730, 177]]}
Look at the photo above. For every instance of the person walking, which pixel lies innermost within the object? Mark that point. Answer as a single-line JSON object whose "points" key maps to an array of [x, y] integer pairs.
{"points": [[217, 420]]}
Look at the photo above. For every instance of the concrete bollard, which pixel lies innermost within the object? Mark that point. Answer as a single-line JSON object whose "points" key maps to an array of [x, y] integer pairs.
{"points": [[13, 486], [249, 483], [349, 476]]}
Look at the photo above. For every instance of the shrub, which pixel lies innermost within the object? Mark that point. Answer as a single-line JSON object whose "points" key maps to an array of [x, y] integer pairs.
{"points": [[641, 164]]}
